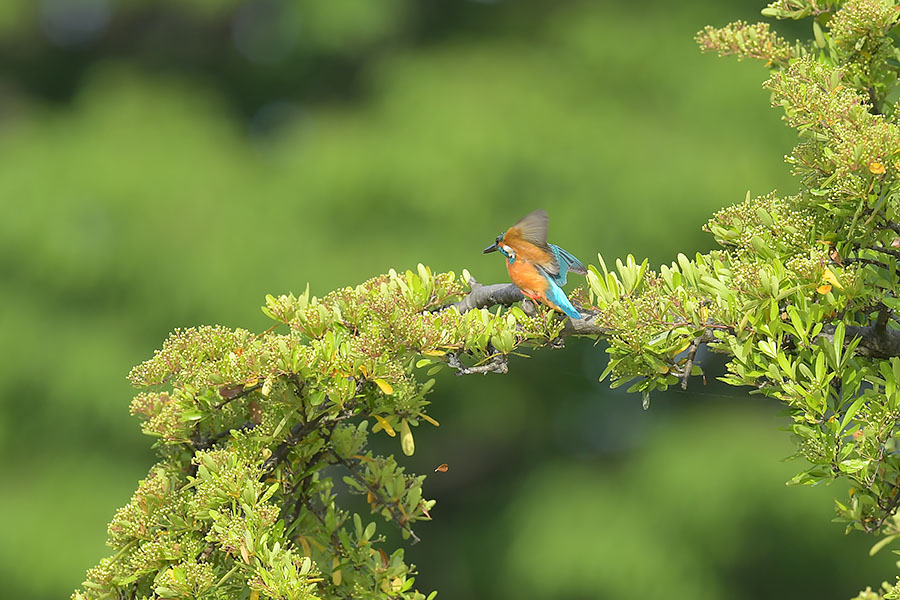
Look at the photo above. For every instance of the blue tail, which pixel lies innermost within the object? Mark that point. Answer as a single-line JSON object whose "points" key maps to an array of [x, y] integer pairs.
{"points": [[566, 263], [558, 298]]}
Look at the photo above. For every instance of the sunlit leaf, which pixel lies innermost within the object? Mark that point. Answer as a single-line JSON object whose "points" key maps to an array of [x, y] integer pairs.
{"points": [[384, 386], [383, 424], [829, 277]]}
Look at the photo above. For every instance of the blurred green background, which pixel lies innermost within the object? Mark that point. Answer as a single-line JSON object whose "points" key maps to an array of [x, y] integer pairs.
{"points": [[168, 163]]}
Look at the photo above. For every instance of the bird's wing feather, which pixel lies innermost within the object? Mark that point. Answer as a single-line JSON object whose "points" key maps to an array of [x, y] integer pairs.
{"points": [[566, 263], [532, 228]]}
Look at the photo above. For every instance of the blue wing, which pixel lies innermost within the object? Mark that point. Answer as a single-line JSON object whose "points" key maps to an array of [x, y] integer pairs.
{"points": [[567, 263], [558, 297]]}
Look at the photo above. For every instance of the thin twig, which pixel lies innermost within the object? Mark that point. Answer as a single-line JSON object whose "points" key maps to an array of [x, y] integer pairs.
{"points": [[206, 442], [393, 507], [245, 391], [889, 251], [895, 227], [865, 261], [298, 432], [689, 364]]}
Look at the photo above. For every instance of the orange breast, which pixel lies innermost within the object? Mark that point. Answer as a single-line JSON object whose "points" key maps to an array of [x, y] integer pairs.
{"points": [[527, 278]]}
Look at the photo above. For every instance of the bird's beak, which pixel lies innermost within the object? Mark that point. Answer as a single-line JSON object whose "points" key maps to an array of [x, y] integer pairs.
{"points": [[492, 248]]}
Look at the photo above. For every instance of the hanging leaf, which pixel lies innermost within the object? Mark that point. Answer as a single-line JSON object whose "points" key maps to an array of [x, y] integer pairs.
{"points": [[406, 438], [383, 424]]}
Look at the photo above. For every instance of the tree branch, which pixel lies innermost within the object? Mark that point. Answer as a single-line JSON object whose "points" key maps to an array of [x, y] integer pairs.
{"points": [[889, 251], [895, 227], [485, 296], [865, 261], [232, 392], [689, 364], [498, 363], [876, 341], [507, 294]]}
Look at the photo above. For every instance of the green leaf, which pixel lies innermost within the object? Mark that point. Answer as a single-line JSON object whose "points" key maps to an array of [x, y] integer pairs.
{"points": [[857, 404], [882, 543], [818, 35], [769, 347], [761, 247], [316, 397], [765, 218], [191, 415], [852, 465], [839, 331]]}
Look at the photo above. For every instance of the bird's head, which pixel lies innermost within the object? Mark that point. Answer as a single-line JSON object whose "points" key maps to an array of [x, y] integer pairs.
{"points": [[500, 246]]}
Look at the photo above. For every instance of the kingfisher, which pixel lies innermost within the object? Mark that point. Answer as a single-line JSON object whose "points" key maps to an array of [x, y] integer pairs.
{"points": [[537, 268]]}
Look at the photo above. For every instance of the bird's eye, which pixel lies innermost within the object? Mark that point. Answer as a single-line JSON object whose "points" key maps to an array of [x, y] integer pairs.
{"points": [[499, 238]]}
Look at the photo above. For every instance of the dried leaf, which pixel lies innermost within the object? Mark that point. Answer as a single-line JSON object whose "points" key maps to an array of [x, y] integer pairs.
{"points": [[255, 412], [229, 392]]}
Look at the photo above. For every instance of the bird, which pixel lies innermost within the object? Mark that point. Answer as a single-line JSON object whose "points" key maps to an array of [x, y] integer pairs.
{"points": [[536, 267]]}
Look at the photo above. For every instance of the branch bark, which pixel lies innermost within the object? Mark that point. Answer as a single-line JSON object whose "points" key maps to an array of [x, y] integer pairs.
{"points": [[497, 364], [485, 296], [689, 364], [876, 342]]}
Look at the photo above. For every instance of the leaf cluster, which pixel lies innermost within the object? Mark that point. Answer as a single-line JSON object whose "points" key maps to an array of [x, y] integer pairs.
{"points": [[252, 431]]}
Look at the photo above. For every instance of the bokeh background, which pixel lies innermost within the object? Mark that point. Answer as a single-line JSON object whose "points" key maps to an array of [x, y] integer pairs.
{"points": [[168, 163]]}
